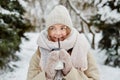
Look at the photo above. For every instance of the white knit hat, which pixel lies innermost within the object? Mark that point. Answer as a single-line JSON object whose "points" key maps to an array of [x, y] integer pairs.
{"points": [[59, 15]]}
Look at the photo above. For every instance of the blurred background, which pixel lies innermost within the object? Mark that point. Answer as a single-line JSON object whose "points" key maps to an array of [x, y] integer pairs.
{"points": [[22, 20]]}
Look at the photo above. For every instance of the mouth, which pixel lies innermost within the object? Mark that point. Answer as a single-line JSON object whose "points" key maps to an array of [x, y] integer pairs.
{"points": [[56, 39]]}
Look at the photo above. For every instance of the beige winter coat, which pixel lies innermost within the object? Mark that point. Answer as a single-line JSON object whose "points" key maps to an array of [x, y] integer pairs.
{"points": [[35, 72]]}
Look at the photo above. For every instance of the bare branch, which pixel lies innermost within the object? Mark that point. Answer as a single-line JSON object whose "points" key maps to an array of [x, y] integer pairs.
{"points": [[78, 13], [40, 2], [63, 2], [87, 23]]}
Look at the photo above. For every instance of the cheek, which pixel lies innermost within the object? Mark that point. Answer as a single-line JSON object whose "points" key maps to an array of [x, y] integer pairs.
{"points": [[64, 34], [51, 34]]}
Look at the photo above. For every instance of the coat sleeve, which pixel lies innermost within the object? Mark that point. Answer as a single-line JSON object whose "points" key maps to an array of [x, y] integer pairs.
{"points": [[91, 73], [34, 71]]}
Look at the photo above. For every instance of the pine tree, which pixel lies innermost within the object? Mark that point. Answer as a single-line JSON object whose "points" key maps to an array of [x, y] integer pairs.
{"points": [[12, 27], [111, 34]]}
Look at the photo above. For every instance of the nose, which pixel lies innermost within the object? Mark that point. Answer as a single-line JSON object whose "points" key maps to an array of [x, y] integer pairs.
{"points": [[58, 34]]}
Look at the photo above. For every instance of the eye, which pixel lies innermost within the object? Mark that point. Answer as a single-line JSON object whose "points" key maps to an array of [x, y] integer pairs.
{"points": [[51, 28], [63, 28]]}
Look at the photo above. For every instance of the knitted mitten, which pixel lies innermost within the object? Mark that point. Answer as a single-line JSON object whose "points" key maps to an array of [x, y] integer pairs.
{"points": [[50, 65], [65, 58]]}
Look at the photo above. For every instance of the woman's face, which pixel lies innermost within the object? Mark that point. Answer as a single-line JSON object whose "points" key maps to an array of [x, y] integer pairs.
{"points": [[58, 31]]}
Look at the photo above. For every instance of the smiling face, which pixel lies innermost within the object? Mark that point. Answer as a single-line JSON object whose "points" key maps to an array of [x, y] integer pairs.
{"points": [[58, 31]]}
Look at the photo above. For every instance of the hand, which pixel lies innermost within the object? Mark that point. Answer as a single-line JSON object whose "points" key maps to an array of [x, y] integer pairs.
{"points": [[65, 58], [50, 65]]}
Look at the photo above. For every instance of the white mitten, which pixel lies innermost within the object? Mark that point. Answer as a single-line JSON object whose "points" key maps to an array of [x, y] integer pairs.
{"points": [[50, 65], [65, 58]]}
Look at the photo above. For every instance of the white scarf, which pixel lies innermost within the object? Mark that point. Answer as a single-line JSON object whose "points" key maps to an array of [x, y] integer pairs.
{"points": [[75, 40]]}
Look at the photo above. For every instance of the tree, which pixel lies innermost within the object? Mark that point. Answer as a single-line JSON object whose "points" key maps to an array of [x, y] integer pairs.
{"points": [[12, 27], [37, 13], [85, 16], [110, 28], [80, 10], [36, 10]]}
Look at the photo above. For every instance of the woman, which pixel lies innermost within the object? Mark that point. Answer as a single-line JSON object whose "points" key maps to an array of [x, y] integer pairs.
{"points": [[72, 50]]}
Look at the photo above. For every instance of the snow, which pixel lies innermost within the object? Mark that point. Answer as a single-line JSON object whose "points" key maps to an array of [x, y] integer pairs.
{"points": [[4, 11], [27, 50], [107, 13], [109, 73], [23, 3]]}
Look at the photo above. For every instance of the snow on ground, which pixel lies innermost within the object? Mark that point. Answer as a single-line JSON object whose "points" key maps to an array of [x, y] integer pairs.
{"points": [[109, 73], [27, 50]]}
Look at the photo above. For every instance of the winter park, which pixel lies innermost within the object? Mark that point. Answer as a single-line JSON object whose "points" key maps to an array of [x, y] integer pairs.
{"points": [[36, 35]]}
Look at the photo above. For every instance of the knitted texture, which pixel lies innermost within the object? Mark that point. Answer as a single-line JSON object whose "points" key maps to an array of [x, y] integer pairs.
{"points": [[75, 40], [59, 15]]}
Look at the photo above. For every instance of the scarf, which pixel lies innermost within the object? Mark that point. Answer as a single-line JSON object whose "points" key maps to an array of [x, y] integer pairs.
{"points": [[75, 40]]}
